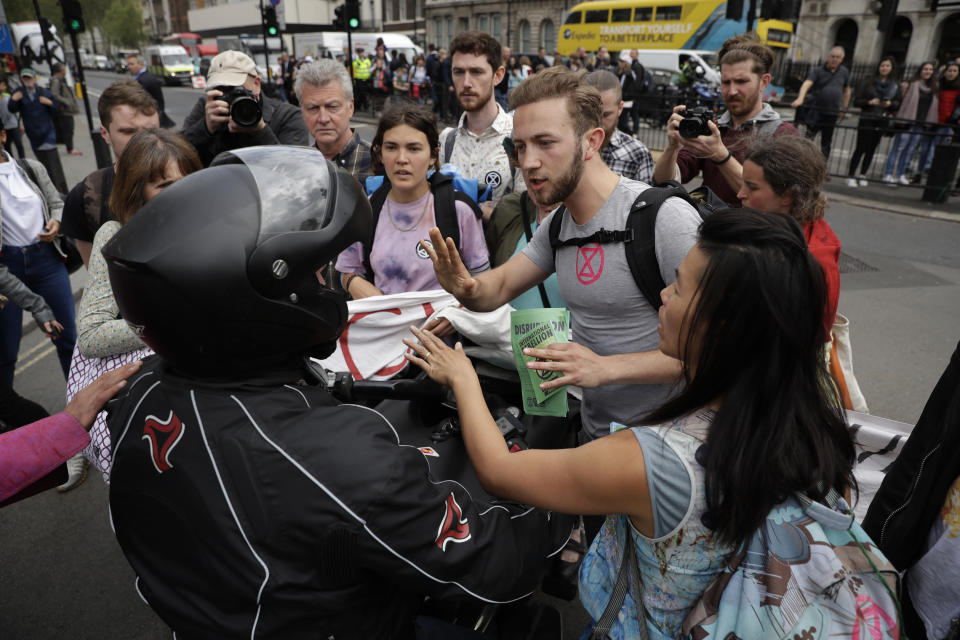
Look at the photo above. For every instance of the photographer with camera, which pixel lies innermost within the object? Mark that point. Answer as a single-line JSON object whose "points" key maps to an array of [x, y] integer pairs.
{"points": [[700, 145], [235, 113]]}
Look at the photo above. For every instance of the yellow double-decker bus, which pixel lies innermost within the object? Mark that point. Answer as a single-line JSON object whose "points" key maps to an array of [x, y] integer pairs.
{"points": [[660, 24]]}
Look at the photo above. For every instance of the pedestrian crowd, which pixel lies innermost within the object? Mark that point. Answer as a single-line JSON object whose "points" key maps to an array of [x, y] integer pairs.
{"points": [[709, 408]]}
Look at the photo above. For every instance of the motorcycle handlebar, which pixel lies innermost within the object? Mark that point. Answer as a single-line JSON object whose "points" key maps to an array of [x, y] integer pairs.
{"points": [[342, 385]]}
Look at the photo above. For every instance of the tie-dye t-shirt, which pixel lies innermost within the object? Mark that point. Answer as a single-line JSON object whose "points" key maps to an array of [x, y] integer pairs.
{"points": [[399, 262]]}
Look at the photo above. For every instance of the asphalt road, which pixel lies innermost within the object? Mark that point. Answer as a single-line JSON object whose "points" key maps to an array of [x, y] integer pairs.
{"points": [[64, 576]]}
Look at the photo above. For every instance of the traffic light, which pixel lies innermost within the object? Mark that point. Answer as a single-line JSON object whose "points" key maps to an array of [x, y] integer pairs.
{"points": [[353, 14], [270, 20], [72, 16], [339, 21], [888, 14]]}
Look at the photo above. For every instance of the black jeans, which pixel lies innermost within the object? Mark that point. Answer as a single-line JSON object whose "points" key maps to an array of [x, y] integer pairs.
{"points": [[868, 139], [824, 125], [66, 130], [14, 138]]}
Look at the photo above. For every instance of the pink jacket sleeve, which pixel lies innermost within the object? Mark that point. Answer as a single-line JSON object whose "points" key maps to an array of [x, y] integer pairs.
{"points": [[34, 450]]}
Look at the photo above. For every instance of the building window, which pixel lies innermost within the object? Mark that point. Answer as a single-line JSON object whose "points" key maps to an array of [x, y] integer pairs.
{"points": [[463, 24], [438, 31], [496, 26], [548, 36], [401, 12], [525, 36], [449, 34], [669, 14], [643, 14], [483, 21]]}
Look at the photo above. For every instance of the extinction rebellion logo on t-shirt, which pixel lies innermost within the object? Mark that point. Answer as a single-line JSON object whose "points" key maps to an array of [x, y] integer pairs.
{"points": [[421, 251], [589, 263]]}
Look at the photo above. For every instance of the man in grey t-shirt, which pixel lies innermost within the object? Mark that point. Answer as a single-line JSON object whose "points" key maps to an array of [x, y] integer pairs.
{"points": [[614, 356]]}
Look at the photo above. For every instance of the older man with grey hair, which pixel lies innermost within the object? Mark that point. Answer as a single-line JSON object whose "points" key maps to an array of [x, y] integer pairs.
{"points": [[824, 96], [325, 94]]}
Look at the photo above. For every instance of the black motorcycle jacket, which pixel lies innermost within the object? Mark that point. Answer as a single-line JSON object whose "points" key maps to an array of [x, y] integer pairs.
{"points": [[267, 510]]}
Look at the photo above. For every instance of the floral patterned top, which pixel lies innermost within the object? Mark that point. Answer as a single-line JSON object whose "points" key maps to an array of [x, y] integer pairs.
{"points": [[675, 566], [100, 331]]}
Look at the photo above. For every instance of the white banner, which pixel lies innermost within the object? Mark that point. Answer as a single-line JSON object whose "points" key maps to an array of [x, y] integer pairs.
{"points": [[878, 442]]}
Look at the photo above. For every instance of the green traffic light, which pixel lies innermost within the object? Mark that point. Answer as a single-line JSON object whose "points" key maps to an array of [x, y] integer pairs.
{"points": [[74, 25], [354, 23], [272, 31]]}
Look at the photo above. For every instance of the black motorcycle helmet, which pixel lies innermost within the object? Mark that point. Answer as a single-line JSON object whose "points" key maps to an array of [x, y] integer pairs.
{"points": [[217, 274]]}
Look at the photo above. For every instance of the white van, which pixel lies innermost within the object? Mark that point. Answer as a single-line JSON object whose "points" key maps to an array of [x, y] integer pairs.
{"points": [[674, 59], [171, 62], [330, 44]]}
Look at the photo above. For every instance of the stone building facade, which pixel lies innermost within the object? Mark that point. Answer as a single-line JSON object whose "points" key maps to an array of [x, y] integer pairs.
{"points": [[918, 34], [525, 25]]}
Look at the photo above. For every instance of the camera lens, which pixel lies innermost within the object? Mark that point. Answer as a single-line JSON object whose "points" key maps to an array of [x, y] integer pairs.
{"points": [[690, 127], [245, 111]]}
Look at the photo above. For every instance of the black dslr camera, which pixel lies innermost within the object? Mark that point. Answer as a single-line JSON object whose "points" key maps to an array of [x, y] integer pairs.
{"points": [[695, 121], [244, 107]]}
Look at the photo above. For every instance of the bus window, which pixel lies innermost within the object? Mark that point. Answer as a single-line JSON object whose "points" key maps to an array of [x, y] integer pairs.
{"points": [[573, 18], [778, 35], [595, 16], [643, 14], [620, 15], [671, 13]]}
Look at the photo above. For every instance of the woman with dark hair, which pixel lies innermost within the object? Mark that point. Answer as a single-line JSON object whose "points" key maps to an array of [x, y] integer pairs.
{"points": [[406, 149], [151, 161], [948, 104], [752, 425], [876, 97], [920, 104], [786, 175]]}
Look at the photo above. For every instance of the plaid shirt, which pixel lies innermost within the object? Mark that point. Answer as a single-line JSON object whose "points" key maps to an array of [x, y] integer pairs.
{"points": [[628, 157], [355, 158]]}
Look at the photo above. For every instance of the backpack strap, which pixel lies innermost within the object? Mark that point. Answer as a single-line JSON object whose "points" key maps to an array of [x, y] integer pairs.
{"points": [[377, 199], [528, 232], [28, 170], [445, 206], [448, 144]]}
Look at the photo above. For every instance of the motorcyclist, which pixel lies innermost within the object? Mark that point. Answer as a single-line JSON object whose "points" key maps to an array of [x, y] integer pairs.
{"points": [[258, 506]]}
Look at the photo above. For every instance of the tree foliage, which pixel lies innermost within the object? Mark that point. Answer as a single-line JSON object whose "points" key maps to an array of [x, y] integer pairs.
{"points": [[123, 23]]}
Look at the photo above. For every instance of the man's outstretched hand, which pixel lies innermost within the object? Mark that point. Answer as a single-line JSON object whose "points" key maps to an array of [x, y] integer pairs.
{"points": [[452, 275]]}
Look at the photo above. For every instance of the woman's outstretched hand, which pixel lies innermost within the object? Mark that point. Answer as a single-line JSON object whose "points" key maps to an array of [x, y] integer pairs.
{"points": [[442, 364]]}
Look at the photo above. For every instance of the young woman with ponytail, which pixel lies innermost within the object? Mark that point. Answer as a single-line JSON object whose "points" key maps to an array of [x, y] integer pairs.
{"points": [[753, 424]]}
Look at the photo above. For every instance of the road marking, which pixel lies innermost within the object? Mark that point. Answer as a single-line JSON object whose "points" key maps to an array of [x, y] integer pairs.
{"points": [[39, 345], [43, 354]]}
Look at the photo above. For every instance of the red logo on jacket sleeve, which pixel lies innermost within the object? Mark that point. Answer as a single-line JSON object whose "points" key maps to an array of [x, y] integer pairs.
{"points": [[453, 527], [163, 437]]}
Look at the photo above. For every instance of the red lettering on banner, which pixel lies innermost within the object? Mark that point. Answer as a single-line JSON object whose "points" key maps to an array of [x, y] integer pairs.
{"points": [[589, 263]]}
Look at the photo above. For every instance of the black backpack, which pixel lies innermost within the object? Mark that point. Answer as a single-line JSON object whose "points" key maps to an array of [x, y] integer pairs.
{"points": [[639, 238], [445, 198]]}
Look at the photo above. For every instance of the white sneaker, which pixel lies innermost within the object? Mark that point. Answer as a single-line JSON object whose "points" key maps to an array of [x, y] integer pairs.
{"points": [[77, 472], [889, 180], [851, 182], [903, 180], [863, 182]]}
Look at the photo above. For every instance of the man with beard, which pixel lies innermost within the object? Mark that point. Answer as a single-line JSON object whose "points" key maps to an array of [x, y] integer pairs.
{"points": [[613, 356], [475, 145], [626, 156], [210, 127], [745, 73]]}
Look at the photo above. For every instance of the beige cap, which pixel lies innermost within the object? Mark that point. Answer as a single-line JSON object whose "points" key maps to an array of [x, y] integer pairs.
{"points": [[230, 69]]}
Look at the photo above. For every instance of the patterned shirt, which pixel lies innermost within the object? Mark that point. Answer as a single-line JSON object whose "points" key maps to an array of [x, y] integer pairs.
{"points": [[628, 157], [355, 158], [482, 157]]}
